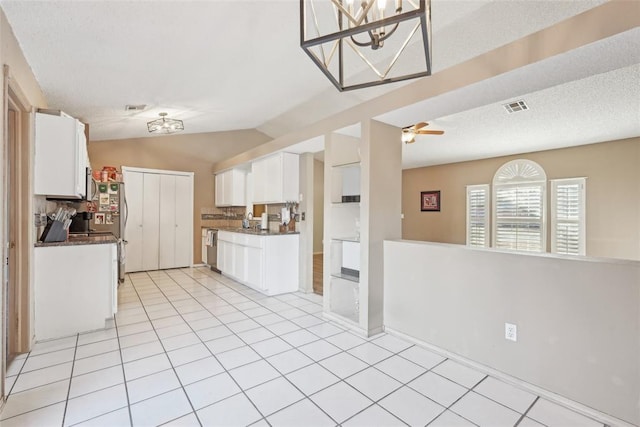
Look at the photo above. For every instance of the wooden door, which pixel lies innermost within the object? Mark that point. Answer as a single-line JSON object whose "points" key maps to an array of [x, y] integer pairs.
{"points": [[167, 232], [150, 221], [183, 221], [134, 193]]}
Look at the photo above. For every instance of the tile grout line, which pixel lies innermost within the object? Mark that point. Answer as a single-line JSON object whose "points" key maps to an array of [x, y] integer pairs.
{"points": [[170, 362], [66, 402], [355, 373], [203, 343], [273, 367], [317, 362], [522, 417], [124, 375]]}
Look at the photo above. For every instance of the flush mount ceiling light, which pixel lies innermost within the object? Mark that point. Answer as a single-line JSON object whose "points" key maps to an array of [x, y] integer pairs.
{"points": [[363, 43], [165, 125]]}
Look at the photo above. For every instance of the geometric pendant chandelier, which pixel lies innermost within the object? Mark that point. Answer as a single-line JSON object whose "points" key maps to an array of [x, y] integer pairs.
{"points": [[364, 43], [165, 125]]}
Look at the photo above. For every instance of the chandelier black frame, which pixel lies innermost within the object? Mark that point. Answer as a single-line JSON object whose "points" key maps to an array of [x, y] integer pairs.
{"points": [[165, 125], [422, 13]]}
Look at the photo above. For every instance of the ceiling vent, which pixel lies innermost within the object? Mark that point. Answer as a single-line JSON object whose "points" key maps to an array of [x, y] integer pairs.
{"points": [[516, 106], [139, 107]]}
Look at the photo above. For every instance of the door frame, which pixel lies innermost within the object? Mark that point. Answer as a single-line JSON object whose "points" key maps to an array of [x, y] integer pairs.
{"points": [[18, 184]]}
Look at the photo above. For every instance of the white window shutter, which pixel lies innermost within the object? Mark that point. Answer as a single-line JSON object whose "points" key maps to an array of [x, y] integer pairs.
{"points": [[519, 217], [568, 216], [478, 215]]}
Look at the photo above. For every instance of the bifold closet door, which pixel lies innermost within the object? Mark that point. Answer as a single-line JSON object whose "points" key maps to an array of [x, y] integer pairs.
{"points": [[150, 221], [183, 221], [167, 221], [133, 228]]}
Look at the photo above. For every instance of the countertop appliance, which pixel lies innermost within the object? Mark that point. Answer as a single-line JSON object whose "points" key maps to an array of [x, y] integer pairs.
{"points": [[110, 216], [212, 249]]}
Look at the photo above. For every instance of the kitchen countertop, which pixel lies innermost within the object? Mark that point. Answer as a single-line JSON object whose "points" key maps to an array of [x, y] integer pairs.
{"points": [[79, 239], [255, 232]]}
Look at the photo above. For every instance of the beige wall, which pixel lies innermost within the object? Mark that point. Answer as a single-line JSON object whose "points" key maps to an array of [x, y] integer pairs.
{"points": [[26, 87], [459, 298], [613, 195], [186, 152], [318, 205]]}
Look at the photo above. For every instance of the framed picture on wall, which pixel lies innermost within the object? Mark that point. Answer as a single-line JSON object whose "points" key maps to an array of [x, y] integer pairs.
{"points": [[430, 201]]}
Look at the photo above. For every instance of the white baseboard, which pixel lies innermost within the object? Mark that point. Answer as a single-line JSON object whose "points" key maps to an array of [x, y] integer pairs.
{"points": [[516, 382]]}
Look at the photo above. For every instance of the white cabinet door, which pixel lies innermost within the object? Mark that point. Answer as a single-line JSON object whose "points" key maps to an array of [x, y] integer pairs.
{"points": [[57, 160], [184, 221], [290, 177], [239, 260], [274, 179], [167, 212], [133, 229], [259, 171], [219, 189], [228, 259], [227, 191], [73, 289], [238, 187], [150, 221], [255, 269]]}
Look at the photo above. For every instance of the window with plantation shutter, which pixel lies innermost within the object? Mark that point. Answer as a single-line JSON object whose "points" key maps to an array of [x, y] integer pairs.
{"points": [[478, 215], [568, 216], [519, 207]]}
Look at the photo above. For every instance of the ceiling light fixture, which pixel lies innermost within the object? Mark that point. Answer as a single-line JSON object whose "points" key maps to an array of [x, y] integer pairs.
{"points": [[363, 43], [409, 133], [165, 125]]}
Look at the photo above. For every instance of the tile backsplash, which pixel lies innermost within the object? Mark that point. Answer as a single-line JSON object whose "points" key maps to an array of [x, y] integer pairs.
{"points": [[232, 217]]}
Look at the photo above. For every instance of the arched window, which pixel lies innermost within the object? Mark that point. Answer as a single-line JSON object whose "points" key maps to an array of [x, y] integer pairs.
{"points": [[519, 207]]}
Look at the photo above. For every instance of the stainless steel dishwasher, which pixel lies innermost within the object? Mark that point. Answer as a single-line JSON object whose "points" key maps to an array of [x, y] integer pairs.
{"points": [[212, 249]]}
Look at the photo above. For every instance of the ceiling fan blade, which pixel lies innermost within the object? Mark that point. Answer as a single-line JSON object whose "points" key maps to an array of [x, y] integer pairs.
{"points": [[430, 132], [420, 125]]}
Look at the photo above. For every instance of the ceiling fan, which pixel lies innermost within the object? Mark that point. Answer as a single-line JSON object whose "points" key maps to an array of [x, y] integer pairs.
{"points": [[409, 133]]}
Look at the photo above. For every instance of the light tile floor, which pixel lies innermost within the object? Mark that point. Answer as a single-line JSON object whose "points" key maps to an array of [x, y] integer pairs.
{"points": [[190, 347]]}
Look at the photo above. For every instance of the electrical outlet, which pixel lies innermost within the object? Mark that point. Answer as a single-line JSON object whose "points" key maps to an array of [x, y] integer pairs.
{"points": [[510, 332], [303, 216]]}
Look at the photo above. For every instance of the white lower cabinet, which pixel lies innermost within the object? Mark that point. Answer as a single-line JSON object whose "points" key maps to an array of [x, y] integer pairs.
{"points": [[75, 288], [267, 263]]}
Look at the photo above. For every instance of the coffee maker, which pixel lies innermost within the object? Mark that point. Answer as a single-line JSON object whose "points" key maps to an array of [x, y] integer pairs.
{"points": [[80, 223]]}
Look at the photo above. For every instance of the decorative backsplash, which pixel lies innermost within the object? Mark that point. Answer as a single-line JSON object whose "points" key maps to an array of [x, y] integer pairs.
{"points": [[232, 216]]}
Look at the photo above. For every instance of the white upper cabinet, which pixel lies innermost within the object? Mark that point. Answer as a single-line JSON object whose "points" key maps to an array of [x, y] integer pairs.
{"points": [[276, 179], [61, 158], [231, 188]]}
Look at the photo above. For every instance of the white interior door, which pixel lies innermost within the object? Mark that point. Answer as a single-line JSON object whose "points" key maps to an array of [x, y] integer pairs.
{"points": [[150, 221], [133, 228], [167, 232], [183, 221]]}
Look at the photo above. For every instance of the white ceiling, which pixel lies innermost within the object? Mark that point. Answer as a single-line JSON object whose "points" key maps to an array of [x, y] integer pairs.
{"points": [[237, 64]]}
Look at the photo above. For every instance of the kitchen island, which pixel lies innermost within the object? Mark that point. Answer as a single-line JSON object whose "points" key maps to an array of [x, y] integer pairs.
{"points": [[76, 284], [266, 261]]}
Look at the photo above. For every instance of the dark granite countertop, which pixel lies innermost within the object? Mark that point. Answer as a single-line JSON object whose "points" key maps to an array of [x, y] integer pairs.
{"points": [[82, 239], [255, 232]]}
